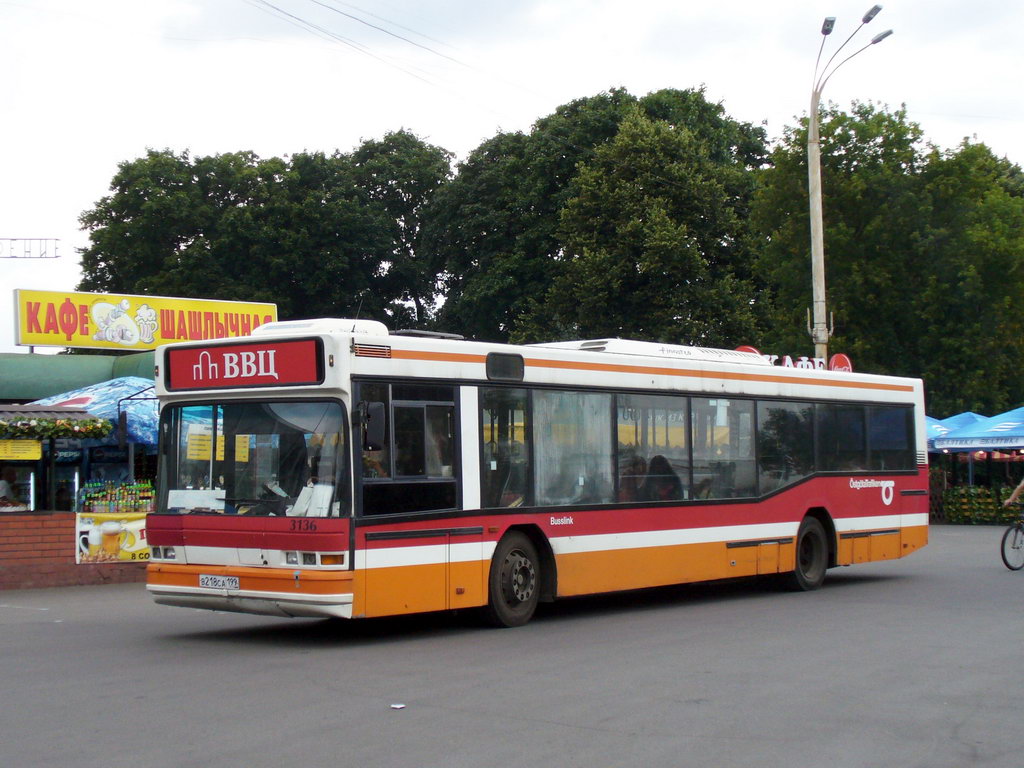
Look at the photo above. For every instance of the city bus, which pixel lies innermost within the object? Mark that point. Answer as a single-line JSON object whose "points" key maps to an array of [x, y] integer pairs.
{"points": [[331, 468]]}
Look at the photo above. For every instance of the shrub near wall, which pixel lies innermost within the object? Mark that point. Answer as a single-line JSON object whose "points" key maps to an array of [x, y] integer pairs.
{"points": [[971, 505], [38, 550]]}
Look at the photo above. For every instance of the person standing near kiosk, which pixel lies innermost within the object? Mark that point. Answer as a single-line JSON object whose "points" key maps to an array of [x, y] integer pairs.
{"points": [[7, 479]]}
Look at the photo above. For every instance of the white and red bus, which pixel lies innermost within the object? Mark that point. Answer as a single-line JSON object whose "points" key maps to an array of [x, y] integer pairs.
{"points": [[331, 468]]}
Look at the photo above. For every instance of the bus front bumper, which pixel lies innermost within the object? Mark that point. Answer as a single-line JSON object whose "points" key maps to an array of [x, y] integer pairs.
{"points": [[264, 591]]}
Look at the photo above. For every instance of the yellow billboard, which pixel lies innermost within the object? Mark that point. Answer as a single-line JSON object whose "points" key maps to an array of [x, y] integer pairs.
{"points": [[111, 538], [119, 321], [21, 450]]}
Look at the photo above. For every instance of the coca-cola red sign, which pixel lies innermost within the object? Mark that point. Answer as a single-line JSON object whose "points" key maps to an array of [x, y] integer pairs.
{"points": [[270, 364]]}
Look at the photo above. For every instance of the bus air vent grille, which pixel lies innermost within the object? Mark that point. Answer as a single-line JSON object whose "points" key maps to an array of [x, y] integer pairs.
{"points": [[371, 350]]}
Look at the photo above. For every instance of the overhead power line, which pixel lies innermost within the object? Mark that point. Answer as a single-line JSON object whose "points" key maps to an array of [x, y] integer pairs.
{"points": [[388, 32], [323, 32]]}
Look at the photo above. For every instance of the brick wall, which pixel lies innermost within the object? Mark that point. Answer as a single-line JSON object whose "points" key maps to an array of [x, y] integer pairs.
{"points": [[37, 549]]}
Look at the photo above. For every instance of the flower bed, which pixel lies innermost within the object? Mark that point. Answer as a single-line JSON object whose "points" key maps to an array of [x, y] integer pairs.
{"points": [[970, 505], [42, 428]]}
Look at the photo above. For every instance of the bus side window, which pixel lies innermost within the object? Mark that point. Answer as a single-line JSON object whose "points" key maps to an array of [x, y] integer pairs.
{"points": [[573, 447], [373, 413], [653, 448], [891, 437], [841, 441], [505, 454], [723, 447], [785, 444], [408, 448]]}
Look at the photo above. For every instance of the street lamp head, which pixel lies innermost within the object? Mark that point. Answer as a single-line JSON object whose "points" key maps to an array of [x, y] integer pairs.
{"points": [[880, 36], [872, 12], [827, 25]]}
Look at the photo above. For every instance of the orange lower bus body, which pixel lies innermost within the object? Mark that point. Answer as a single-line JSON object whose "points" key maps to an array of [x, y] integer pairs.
{"points": [[429, 587]]}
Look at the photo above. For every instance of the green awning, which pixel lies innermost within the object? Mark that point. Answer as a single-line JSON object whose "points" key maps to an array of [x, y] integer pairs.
{"points": [[28, 377]]}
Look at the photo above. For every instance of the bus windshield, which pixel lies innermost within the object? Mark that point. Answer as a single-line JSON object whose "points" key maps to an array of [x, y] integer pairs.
{"points": [[255, 458]]}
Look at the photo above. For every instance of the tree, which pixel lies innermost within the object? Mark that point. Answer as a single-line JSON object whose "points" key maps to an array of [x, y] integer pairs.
{"points": [[872, 217], [301, 233], [497, 222], [493, 226], [401, 173], [150, 213], [655, 240], [923, 249], [970, 288]]}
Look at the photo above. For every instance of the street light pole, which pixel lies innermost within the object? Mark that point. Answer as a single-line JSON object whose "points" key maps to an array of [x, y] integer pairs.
{"points": [[821, 330]]}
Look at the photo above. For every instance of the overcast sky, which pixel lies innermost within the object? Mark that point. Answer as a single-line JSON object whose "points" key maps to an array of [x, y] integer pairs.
{"points": [[87, 85]]}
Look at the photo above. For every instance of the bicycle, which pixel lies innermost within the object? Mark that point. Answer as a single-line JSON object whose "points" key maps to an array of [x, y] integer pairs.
{"points": [[1012, 548]]}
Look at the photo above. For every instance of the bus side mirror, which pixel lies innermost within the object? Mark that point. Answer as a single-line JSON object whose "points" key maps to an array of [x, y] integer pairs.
{"points": [[373, 426]]}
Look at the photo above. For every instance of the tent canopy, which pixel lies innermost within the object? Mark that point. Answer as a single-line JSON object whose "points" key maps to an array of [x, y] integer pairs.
{"points": [[935, 427], [1002, 432], [962, 420], [941, 427], [102, 400]]}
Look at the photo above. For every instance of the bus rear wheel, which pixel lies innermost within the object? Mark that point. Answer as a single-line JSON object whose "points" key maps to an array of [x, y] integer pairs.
{"points": [[513, 585], [811, 557]]}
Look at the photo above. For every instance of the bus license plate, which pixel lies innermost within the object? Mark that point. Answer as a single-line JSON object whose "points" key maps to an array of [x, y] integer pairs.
{"points": [[218, 582]]}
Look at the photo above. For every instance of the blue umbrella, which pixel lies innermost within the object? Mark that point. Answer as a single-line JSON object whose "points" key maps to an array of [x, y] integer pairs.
{"points": [[941, 427], [961, 420], [1005, 431], [101, 400], [935, 429]]}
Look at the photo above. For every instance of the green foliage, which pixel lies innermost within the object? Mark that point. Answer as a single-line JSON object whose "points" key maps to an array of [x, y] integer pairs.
{"points": [[652, 237], [509, 240], [41, 429], [494, 226], [870, 219], [923, 252], [318, 235], [971, 283], [401, 173], [476, 228], [973, 505]]}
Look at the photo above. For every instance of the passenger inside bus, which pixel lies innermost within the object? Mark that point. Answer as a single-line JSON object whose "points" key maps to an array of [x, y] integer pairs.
{"points": [[632, 478], [375, 463], [662, 483]]}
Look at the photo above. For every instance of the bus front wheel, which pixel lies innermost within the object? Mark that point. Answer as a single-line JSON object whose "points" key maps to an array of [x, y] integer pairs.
{"points": [[811, 556], [513, 586]]}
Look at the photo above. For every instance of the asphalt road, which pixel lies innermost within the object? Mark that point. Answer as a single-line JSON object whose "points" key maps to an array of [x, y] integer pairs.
{"points": [[910, 663]]}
